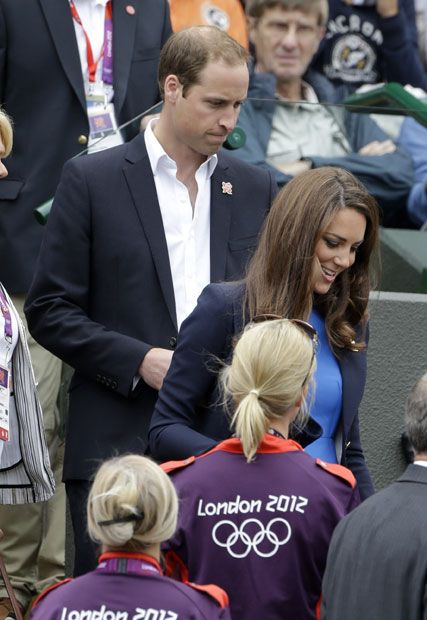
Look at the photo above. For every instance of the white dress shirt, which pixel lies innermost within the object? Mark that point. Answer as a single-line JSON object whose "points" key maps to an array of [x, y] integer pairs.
{"points": [[187, 233]]}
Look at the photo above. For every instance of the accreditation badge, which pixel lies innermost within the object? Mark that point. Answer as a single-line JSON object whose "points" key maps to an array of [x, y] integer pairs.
{"points": [[4, 403], [102, 124]]}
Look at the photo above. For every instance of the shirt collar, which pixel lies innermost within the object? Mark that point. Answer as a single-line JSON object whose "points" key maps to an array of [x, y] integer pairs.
{"points": [[308, 96], [421, 463], [157, 154], [308, 93], [90, 2]]}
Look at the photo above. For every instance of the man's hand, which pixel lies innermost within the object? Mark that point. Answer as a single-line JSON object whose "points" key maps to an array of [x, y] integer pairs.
{"points": [[293, 168], [385, 8], [155, 366], [378, 148]]}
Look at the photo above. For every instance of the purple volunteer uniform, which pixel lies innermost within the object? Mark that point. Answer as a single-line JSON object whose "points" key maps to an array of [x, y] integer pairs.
{"points": [[260, 530], [130, 587]]}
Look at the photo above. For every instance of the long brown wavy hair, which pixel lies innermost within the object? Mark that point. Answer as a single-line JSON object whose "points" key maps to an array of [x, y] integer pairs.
{"points": [[280, 275]]}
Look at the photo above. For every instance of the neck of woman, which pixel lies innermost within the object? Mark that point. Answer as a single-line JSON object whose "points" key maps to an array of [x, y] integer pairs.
{"points": [[152, 550], [281, 425]]}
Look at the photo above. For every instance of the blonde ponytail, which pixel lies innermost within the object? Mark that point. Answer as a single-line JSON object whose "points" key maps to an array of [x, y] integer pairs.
{"points": [[272, 364], [250, 424]]}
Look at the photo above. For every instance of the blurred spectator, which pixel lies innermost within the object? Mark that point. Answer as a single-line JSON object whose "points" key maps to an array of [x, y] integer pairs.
{"points": [[225, 14], [413, 138], [377, 561], [49, 84], [257, 499], [25, 473], [421, 13], [291, 132], [132, 508], [366, 44]]}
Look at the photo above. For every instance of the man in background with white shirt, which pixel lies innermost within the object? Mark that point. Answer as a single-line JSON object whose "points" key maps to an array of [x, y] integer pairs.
{"points": [[377, 561], [65, 67], [135, 234]]}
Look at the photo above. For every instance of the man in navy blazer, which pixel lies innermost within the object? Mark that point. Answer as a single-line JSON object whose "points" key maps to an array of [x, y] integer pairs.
{"points": [[107, 296], [377, 561]]}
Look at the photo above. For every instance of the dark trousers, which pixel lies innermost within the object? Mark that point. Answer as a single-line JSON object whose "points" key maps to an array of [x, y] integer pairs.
{"points": [[85, 550]]}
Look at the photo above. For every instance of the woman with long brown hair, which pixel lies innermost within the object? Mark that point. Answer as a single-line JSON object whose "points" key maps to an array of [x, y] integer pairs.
{"points": [[313, 263]]}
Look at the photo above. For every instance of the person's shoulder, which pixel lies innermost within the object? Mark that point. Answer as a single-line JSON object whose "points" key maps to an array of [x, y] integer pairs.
{"points": [[253, 175], [338, 472], [172, 466], [57, 590], [116, 155], [203, 596], [323, 87], [223, 293]]}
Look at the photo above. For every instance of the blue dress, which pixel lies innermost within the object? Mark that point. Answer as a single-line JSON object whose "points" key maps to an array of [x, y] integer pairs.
{"points": [[326, 408]]}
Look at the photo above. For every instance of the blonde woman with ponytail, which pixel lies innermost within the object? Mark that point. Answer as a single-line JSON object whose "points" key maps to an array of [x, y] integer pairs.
{"points": [[132, 508], [257, 512]]}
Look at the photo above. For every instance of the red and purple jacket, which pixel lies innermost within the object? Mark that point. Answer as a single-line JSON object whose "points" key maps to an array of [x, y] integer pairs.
{"points": [[259, 530], [129, 586]]}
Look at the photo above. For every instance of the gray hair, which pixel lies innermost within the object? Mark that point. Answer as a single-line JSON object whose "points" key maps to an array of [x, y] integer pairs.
{"points": [[257, 8], [416, 416]]}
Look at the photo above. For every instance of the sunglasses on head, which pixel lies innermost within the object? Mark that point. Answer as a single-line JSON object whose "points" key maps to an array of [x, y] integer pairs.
{"points": [[306, 327], [303, 325]]}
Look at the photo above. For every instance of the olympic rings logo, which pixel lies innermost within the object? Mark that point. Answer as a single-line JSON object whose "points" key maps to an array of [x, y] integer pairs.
{"points": [[228, 535]]}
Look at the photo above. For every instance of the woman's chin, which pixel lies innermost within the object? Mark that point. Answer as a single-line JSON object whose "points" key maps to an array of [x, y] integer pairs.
{"points": [[321, 288]]}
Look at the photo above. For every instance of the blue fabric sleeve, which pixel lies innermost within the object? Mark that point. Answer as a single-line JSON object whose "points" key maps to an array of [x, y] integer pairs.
{"points": [[400, 59], [388, 177], [413, 138]]}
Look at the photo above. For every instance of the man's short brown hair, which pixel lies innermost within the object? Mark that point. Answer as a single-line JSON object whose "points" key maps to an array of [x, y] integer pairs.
{"points": [[257, 8], [187, 52]]}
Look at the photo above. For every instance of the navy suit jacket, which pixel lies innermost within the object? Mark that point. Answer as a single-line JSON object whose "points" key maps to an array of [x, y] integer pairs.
{"points": [[102, 295], [189, 418], [377, 560], [41, 87]]}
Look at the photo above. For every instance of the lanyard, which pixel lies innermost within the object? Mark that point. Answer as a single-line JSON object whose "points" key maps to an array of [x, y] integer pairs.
{"points": [[107, 47], [121, 562], [4, 306]]}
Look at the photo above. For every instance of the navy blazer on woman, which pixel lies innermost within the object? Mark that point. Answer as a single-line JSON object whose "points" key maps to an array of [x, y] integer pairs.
{"points": [[189, 417]]}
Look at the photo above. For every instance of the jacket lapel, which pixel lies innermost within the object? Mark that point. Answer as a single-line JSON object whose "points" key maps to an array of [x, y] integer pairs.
{"points": [[141, 184], [124, 29], [60, 23], [221, 210]]}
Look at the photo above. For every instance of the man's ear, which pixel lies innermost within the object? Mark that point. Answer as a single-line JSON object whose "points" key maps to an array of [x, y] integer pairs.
{"points": [[172, 88], [320, 37], [251, 26]]}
